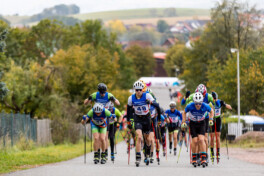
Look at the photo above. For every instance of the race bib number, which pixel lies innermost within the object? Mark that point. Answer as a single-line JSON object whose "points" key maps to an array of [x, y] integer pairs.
{"points": [[218, 112], [174, 119], [141, 110]]}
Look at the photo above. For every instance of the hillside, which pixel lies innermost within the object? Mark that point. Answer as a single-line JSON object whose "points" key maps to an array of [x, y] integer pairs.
{"points": [[151, 15], [141, 13]]}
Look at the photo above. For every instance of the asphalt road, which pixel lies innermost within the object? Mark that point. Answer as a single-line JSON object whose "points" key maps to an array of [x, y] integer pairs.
{"points": [[231, 167], [167, 167]]}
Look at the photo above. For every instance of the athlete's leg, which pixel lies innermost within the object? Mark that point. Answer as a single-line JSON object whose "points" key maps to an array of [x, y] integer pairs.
{"points": [[139, 140]]}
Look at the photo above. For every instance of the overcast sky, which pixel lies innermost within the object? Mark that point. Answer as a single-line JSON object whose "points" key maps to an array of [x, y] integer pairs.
{"points": [[30, 7]]}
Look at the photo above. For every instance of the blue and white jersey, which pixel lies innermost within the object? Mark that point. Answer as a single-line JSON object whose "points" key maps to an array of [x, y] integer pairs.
{"points": [[140, 105], [103, 100], [197, 115], [101, 119], [174, 117], [217, 106]]}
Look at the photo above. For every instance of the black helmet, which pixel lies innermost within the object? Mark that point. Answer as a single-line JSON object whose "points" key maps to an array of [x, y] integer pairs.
{"points": [[102, 88]]}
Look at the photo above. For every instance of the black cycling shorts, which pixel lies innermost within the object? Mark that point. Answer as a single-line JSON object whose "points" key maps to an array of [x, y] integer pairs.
{"points": [[143, 123], [197, 128], [173, 127], [206, 125], [218, 123]]}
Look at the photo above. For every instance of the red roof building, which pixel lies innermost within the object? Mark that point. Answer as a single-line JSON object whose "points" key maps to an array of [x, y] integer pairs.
{"points": [[160, 59]]}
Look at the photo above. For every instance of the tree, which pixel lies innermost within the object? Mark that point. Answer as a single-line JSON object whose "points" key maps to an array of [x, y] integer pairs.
{"points": [[223, 80], [162, 26], [44, 40], [117, 26], [175, 58], [143, 60]]}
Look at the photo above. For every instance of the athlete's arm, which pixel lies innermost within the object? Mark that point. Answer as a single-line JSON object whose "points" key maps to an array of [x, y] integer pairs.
{"points": [[129, 109], [90, 99], [112, 98], [119, 115]]}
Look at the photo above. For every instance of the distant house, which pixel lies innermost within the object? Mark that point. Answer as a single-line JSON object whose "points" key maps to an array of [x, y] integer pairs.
{"points": [[188, 26], [169, 42], [160, 59]]}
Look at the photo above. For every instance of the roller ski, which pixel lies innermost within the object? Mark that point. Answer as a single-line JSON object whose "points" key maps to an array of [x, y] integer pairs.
{"points": [[151, 158], [158, 160], [204, 160], [96, 158], [103, 159], [194, 161], [175, 151], [218, 158], [147, 161], [138, 159]]}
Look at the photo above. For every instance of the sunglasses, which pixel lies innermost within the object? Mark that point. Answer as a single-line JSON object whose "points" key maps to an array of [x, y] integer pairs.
{"points": [[138, 90], [198, 104], [172, 107]]}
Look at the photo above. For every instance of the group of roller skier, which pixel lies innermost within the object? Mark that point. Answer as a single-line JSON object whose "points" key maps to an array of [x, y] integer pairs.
{"points": [[147, 124]]}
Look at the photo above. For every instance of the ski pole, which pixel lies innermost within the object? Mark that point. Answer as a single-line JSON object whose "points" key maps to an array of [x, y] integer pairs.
{"points": [[227, 147], [156, 141], [216, 142], [91, 137], [181, 142], [85, 143], [190, 142], [166, 143], [128, 147]]}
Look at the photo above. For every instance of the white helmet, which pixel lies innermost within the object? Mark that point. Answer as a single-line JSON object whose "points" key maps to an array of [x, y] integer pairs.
{"points": [[198, 97], [111, 105], [98, 107], [201, 88], [172, 103], [138, 85]]}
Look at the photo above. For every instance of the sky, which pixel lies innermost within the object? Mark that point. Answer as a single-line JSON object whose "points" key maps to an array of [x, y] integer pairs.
{"points": [[31, 7]]}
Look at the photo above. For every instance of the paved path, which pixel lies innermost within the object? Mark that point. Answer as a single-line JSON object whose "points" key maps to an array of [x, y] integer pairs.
{"points": [[231, 167], [169, 167]]}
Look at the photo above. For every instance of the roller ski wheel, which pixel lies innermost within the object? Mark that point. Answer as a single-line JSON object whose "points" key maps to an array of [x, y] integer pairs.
{"points": [[147, 162], [164, 154], [194, 164], [137, 163], [204, 165], [151, 160], [103, 161], [158, 160], [175, 152], [96, 161], [199, 162]]}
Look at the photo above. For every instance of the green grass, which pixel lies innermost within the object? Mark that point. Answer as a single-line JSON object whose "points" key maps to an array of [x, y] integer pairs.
{"points": [[246, 144], [13, 159], [140, 13]]}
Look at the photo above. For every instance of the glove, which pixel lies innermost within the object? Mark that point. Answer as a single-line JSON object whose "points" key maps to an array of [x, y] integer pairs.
{"points": [[148, 101], [117, 124], [85, 117], [112, 98], [159, 122], [214, 95], [211, 123], [129, 125], [188, 93], [183, 125]]}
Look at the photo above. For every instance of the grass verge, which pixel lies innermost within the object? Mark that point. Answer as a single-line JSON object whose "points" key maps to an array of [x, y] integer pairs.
{"points": [[13, 159]]}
